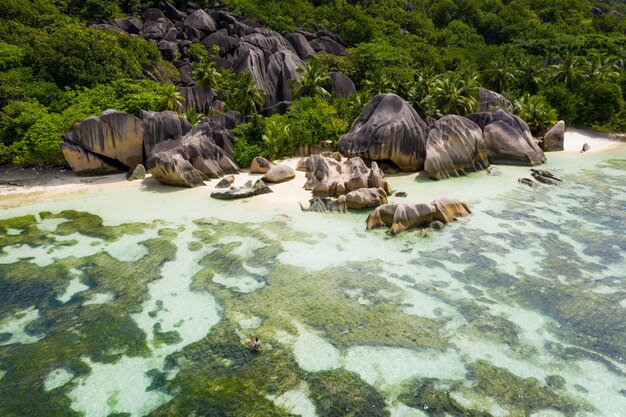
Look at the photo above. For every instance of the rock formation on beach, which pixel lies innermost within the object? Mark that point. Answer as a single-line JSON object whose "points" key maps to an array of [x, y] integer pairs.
{"points": [[400, 217], [387, 129], [175, 155], [112, 142], [247, 190], [554, 138], [348, 184], [508, 139], [455, 145]]}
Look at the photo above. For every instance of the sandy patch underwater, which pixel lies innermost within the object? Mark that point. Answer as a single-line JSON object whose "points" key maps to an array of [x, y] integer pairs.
{"points": [[124, 299]]}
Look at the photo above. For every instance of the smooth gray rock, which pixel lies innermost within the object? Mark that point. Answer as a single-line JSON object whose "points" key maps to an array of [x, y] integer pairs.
{"points": [[554, 139], [161, 126], [200, 20], [301, 45], [341, 85], [226, 182]]}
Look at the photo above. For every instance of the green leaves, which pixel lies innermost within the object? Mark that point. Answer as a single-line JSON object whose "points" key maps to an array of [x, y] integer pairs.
{"points": [[537, 112], [245, 96], [314, 78]]}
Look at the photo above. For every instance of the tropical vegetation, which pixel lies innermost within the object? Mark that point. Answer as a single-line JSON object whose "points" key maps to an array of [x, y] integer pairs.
{"points": [[556, 59]]}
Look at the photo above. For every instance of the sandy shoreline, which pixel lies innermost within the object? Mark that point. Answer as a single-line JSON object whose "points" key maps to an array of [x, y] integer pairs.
{"points": [[21, 186]]}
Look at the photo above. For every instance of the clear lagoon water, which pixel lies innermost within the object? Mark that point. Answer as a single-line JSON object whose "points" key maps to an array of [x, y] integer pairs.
{"points": [[124, 302]]}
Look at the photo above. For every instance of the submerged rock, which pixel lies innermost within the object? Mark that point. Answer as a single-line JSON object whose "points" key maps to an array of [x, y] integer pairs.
{"points": [[387, 129], [545, 177], [508, 139], [455, 145], [495, 171], [527, 181], [247, 190], [449, 209], [554, 139]]}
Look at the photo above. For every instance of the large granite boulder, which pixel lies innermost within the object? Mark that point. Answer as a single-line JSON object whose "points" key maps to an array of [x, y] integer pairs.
{"points": [[455, 145], [200, 20], [301, 45], [388, 129], [85, 163], [260, 165], [279, 173], [199, 150], [554, 139], [508, 139], [364, 198], [161, 126], [325, 205], [115, 138], [341, 85], [401, 216], [449, 209], [247, 190], [490, 101]]}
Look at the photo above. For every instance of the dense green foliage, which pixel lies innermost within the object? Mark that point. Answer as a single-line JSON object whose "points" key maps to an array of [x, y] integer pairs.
{"points": [[557, 58]]}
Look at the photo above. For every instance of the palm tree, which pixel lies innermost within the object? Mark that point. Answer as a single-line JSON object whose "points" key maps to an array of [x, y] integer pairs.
{"points": [[570, 71], [529, 75], [207, 76], [603, 67], [377, 82], [245, 96], [312, 82], [277, 136], [499, 76], [171, 99], [536, 111], [456, 93], [193, 117]]}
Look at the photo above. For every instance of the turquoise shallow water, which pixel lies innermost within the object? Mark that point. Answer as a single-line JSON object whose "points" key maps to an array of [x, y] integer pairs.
{"points": [[124, 302]]}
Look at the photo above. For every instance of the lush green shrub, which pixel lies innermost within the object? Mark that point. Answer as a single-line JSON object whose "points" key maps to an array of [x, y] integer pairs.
{"points": [[564, 101], [10, 56], [78, 56], [537, 112], [249, 141], [599, 102], [314, 121]]}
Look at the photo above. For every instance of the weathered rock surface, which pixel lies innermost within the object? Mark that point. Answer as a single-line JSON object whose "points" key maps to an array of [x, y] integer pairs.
{"points": [[508, 139], [248, 190], [161, 126], [341, 85], [364, 198], [204, 148], [301, 45], [327, 177], [490, 101], [85, 163], [449, 209], [388, 129], [260, 165], [554, 139], [455, 145], [137, 173], [201, 20], [402, 216], [116, 138], [279, 173]]}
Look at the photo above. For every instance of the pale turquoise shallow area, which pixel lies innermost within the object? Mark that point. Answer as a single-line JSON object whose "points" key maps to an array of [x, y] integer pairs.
{"points": [[125, 301]]}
